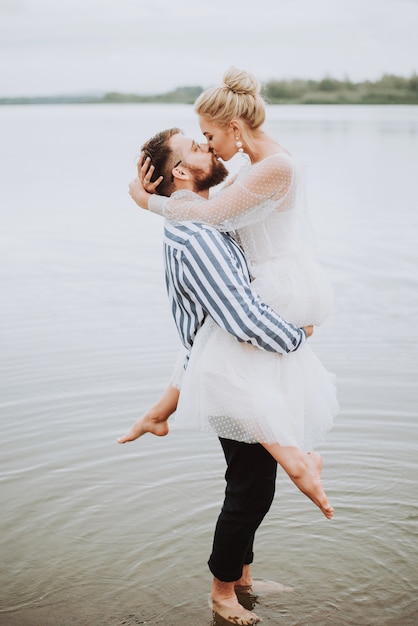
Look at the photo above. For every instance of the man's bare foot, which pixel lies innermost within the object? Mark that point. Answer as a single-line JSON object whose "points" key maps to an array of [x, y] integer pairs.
{"points": [[309, 482], [146, 424], [262, 587], [232, 611]]}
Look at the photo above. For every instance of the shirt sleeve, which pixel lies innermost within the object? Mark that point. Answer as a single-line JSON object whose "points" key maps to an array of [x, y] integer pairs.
{"points": [[267, 186], [214, 276]]}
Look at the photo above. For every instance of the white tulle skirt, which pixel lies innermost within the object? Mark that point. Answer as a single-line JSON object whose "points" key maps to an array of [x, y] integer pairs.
{"points": [[241, 392]]}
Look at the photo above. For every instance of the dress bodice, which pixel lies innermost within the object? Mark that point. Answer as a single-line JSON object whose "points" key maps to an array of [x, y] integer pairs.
{"points": [[276, 234], [264, 207]]}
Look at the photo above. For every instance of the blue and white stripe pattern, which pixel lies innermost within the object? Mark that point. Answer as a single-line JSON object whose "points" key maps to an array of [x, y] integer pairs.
{"points": [[207, 274]]}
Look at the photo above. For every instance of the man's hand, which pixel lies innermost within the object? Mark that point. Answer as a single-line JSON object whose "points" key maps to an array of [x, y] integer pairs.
{"points": [[308, 330]]}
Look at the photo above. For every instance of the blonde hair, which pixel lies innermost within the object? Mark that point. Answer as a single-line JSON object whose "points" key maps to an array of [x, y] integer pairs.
{"points": [[237, 98]]}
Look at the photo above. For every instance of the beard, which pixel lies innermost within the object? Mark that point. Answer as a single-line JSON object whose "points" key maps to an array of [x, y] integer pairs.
{"points": [[205, 180]]}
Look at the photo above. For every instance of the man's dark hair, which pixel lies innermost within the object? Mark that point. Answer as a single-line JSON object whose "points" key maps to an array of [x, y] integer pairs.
{"points": [[162, 158]]}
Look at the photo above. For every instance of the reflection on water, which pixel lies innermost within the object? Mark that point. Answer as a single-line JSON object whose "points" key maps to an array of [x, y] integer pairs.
{"points": [[94, 533]]}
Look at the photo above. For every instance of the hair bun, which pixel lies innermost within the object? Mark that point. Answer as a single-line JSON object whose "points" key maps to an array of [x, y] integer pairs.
{"points": [[241, 82]]}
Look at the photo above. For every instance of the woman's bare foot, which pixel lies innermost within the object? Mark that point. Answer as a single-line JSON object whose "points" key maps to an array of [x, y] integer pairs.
{"points": [[155, 421], [309, 482], [232, 611], [304, 468], [145, 424]]}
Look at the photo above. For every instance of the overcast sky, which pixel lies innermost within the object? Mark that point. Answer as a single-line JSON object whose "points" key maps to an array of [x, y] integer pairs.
{"points": [[152, 46]]}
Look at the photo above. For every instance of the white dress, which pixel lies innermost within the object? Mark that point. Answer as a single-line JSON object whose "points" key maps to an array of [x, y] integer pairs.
{"points": [[233, 389]]}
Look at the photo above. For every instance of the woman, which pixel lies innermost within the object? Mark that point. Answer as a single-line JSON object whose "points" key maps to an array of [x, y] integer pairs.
{"points": [[288, 403]]}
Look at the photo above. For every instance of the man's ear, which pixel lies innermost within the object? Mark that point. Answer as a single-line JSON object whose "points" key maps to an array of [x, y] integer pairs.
{"points": [[181, 173]]}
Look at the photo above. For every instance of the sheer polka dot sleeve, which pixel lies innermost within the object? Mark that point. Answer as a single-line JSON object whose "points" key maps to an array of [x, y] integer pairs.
{"points": [[156, 204], [263, 188]]}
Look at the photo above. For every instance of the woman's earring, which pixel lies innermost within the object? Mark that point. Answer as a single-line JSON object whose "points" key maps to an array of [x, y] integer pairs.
{"points": [[238, 144]]}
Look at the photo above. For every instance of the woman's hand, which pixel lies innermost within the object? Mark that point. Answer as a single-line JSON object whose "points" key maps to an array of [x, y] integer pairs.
{"points": [[138, 193], [141, 188], [145, 172]]}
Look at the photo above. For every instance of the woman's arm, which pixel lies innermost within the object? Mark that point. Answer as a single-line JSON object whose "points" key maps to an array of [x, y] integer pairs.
{"points": [[264, 189], [138, 193], [248, 200]]}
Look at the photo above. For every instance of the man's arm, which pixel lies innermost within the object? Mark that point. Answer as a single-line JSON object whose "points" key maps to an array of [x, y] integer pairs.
{"points": [[216, 275]]}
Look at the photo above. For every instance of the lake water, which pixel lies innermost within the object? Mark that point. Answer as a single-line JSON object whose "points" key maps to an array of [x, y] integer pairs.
{"points": [[94, 533]]}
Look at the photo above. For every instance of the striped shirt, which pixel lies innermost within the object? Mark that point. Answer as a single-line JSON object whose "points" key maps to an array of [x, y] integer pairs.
{"points": [[207, 274]]}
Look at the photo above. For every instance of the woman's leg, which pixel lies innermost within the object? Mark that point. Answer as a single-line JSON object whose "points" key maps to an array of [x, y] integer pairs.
{"points": [[304, 469], [155, 419]]}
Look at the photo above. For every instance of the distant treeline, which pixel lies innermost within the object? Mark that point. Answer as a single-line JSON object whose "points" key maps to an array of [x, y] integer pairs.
{"points": [[389, 89]]}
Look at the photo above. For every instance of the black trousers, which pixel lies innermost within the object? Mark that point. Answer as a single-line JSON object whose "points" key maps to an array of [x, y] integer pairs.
{"points": [[250, 485]]}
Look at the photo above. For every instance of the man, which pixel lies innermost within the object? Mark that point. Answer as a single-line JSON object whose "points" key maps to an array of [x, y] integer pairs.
{"points": [[214, 281]]}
